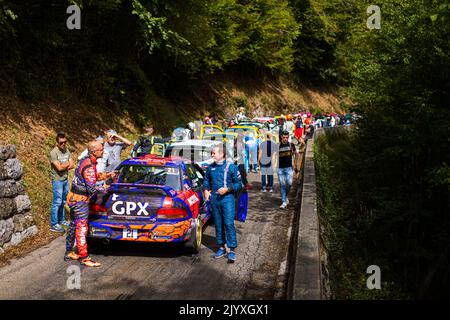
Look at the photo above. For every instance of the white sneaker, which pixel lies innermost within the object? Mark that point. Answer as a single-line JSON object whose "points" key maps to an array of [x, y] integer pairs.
{"points": [[283, 205], [270, 190], [263, 189], [287, 201]]}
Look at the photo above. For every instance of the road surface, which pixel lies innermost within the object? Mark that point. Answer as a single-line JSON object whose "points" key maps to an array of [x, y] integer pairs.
{"points": [[154, 271]]}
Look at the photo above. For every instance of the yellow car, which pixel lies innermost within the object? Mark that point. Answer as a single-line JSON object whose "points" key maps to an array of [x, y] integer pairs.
{"points": [[207, 128], [229, 139], [246, 130], [220, 135]]}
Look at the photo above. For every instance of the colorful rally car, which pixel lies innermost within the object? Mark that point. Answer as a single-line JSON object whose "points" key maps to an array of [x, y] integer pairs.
{"points": [[154, 199]]}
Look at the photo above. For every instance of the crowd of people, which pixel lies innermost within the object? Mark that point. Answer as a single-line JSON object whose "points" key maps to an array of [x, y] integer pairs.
{"points": [[275, 151]]}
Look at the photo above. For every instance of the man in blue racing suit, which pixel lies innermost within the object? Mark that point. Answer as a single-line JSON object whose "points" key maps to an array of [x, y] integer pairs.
{"points": [[222, 180]]}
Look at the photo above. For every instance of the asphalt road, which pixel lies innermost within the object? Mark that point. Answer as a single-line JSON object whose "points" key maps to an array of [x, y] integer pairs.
{"points": [[154, 271]]}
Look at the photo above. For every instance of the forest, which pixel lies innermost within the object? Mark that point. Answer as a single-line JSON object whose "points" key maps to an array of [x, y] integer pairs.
{"points": [[387, 183]]}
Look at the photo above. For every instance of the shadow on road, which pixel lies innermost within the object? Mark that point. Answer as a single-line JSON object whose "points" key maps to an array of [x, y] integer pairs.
{"points": [[138, 249]]}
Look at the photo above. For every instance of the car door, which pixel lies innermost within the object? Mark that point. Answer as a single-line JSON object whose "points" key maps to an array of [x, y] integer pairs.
{"points": [[241, 205], [206, 128], [196, 175]]}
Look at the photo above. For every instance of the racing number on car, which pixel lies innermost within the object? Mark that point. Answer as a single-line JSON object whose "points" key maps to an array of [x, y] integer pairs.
{"points": [[129, 233]]}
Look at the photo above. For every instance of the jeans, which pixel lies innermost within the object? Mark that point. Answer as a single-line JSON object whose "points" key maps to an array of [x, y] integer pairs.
{"points": [[267, 171], [251, 152], [246, 159], [223, 213], [60, 190], [285, 176]]}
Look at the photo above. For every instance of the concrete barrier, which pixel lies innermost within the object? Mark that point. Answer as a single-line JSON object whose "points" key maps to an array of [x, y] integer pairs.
{"points": [[309, 279], [307, 275]]}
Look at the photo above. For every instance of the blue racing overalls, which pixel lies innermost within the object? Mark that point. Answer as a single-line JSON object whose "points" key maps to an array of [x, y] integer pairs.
{"points": [[218, 176]]}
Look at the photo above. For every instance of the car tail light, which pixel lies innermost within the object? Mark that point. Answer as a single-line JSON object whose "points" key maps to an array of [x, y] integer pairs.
{"points": [[96, 208], [172, 213]]}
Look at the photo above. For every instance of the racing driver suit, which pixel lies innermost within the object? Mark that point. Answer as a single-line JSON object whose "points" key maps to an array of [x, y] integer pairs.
{"points": [[218, 175], [83, 188]]}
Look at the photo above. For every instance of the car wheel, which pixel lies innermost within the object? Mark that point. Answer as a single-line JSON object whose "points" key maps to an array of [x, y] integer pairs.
{"points": [[194, 244], [93, 245]]}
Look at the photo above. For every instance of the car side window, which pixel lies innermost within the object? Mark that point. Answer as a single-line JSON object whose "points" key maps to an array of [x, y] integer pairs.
{"points": [[199, 174], [192, 175]]}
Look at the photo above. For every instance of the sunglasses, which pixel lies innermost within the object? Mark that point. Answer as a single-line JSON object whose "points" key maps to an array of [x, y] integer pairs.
{"points": [[62, 142]]}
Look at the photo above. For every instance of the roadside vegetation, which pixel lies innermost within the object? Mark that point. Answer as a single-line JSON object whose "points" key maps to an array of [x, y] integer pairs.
{"points": [[384, 188]]}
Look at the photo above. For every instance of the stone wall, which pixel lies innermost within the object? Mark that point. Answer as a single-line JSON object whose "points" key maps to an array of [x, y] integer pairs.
{"points": [[16, 221]]}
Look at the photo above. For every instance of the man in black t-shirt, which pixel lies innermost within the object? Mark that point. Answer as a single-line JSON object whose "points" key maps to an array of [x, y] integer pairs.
{"points": [[286, 154]]}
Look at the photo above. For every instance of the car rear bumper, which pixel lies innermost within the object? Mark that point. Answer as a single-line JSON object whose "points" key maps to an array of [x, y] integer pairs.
{"points": [[145, 231]]}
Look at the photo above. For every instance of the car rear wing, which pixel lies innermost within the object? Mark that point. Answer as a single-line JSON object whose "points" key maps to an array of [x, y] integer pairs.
{"points": [[170, 192]]}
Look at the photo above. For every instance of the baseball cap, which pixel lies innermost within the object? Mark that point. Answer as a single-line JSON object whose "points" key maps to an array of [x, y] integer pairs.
{"points": [[111, 131]]}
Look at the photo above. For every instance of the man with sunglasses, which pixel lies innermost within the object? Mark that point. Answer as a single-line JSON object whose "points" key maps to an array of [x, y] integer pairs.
{"points": [[61, 162]]}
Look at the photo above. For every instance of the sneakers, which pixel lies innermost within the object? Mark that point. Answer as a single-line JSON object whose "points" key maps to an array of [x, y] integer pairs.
{"points": [[263, 189], [220, 253], [231, 257], [71, 256], [88, 262], [65, 223], [283, 205], [287, 201], [57, 228], [270, 190]]}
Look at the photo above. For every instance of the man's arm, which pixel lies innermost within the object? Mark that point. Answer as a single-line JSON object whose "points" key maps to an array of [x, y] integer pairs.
{"points": [[60, 167], [71, 164], [56, 164], [236, 184], [124, 140], [206, 184], [259, 154]]}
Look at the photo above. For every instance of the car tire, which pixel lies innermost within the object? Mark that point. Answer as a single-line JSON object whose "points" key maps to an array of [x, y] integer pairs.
{"points": [[94, 245], [194, 243]]}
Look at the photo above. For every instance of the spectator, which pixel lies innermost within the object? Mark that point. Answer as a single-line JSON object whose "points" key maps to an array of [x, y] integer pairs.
{"points": [[112, 150], [222, 179], [251, 149], [286, 154], [240, 160], [298, 133], [289, 126], [266, 151], [241, 115], [61, 163]]}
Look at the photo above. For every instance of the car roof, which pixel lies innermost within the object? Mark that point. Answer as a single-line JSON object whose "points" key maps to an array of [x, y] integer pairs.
{"points": [[244, 127], [217, 133], [194, 142], [251, 123], [154, 160]]}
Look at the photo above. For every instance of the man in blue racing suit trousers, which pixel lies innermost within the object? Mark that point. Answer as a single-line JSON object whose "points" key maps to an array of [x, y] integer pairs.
{"points": [[221, 181]]}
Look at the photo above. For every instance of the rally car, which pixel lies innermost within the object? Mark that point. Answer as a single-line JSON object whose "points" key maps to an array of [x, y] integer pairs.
{"points": [[154, 199], [197, 151]]}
